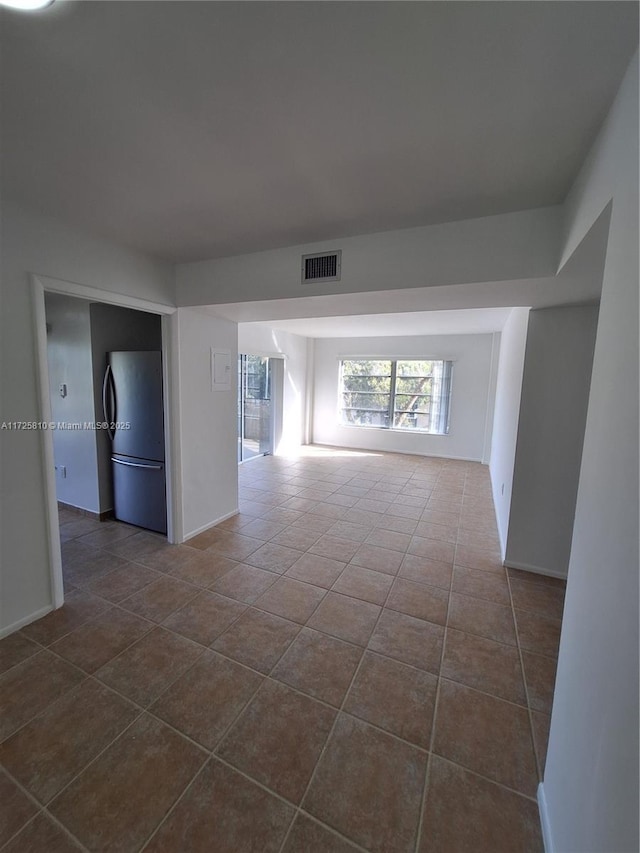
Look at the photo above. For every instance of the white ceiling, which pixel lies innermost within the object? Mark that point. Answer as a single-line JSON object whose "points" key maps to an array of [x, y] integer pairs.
{"points": [[202, 129], [462, 322]]}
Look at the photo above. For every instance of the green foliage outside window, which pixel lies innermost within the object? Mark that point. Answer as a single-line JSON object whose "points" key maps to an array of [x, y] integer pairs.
{"points": [[411, 394]]}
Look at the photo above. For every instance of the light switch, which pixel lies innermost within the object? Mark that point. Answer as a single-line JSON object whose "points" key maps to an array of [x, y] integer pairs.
{"points": [[62, 388]]}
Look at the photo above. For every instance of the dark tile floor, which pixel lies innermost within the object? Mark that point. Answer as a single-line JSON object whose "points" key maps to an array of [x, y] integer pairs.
{"points": [[344, 666]]}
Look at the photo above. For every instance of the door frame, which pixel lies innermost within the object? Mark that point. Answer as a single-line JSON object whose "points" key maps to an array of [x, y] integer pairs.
{"points": [[242, 389], [41, 284], [277, 363]]}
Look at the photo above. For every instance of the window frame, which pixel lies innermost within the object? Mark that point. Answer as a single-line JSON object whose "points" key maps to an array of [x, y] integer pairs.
{"points": [[443, 416]]}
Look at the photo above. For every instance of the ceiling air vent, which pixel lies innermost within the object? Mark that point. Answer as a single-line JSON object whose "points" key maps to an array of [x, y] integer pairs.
{"points": [[322, 267]]}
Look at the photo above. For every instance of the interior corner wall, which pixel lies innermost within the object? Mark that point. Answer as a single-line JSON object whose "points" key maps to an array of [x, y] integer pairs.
{"points": [[262, 339], [69, 358], [35, 244], [506, 415], [491, 397], [553, 413], [208, 476], [470, 393], [590, 792]]}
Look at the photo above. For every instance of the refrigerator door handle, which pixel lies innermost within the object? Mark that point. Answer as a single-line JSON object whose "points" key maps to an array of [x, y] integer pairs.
{"points": [[108, 395], [136, 464]]}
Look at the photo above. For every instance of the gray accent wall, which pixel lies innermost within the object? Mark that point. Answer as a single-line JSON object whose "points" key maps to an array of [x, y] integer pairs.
{"points": [[115, 328]]}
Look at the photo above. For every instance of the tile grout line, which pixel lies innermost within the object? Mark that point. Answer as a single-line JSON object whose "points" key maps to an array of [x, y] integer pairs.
{"points": [[335, 722], [383, 731], [65, 829], [40, 809], [174, 805], [142, 712], [45, 808], [153, 626], [211, 752], [308, 816], [144, 709], [526, 686], [42, 812], [71, 630], [427, 774], [532, 798]]}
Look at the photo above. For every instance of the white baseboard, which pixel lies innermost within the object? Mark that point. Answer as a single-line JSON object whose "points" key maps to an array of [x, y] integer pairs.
{"points": [[501, 538], [544, 821], [397, 452], [536, 570], [10, 629], [208, 526]]}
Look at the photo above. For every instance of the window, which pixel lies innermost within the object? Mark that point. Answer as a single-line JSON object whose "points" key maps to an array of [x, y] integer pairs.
{"points": [[412, 394]]}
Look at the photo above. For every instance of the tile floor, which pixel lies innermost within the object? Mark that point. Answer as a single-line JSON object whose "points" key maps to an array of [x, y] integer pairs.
{"points": [[343, 666]]}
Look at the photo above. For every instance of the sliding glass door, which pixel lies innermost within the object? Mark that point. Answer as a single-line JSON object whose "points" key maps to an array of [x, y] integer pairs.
{"points": [[254, 407]]}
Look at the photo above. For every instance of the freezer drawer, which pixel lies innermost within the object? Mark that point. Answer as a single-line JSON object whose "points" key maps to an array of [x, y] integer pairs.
{"points": [[139, 492]]}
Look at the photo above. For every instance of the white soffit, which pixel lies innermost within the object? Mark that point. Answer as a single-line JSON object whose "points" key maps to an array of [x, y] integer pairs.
{"points": [[465, 322]]}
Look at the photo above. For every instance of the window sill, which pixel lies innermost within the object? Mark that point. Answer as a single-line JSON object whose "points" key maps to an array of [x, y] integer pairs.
{"points": [[395, 430]]}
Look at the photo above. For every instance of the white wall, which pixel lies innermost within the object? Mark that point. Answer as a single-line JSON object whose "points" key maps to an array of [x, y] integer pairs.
{"points": [[553, 413], [259, 339], [506, 415], [493, 248], [208, 479], [590, 792], [469, 394], [35, 244], [491, 397], [69, 356]]}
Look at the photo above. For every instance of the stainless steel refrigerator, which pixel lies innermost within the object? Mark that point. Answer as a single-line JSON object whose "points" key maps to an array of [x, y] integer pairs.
{"points": [[132, 403]]}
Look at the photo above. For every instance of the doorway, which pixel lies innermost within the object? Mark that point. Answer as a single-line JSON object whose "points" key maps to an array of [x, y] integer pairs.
{"points": [[255, 410], [39, 286], [88, 342]]}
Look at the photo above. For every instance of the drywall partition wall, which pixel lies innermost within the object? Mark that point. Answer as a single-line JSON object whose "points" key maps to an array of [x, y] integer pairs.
{"points": [[115, 328], [553, 412], [589, 798], [506, 414], [208, 422], [259, 339], [491, 397], [469, 394], [71, 386], [308, 403], [493, 248], [34, 244]]}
